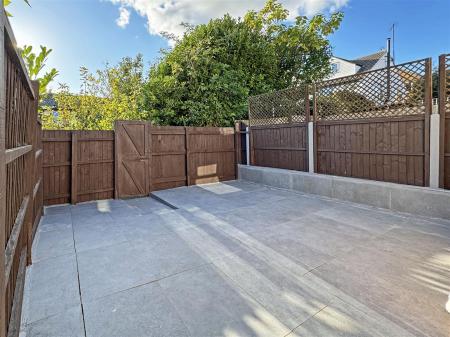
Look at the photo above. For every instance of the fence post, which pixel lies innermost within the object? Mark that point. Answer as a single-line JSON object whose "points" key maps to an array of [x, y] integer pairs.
{"points": [[311, 147], [442, 115], [310, 126], [74, 169], [314, 130], [428, 109], [434, 150], [247, 146], [186, 144], [31, 160]]}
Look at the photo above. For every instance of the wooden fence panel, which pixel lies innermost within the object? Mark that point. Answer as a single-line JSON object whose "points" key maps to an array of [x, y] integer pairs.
{"points": [[57, 156], [383, 149], [19, 205], [93, 165], [210, 154], [444, 111], [375, 125], [280, 146], [77, 166], [133, 160], [168, 157]]}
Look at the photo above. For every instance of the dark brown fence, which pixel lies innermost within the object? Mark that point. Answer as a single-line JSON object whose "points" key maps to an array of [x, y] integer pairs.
{"points": [[375, 125], [20, 204], [210, 155], [133, 160], [444, 110], [280, 146], [372, 125], [77, 166], [56, 166], [150, 158], [279, 129]]}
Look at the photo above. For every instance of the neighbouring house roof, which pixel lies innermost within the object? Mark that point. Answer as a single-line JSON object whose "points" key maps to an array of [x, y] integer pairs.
{"points": [[367, 62]]}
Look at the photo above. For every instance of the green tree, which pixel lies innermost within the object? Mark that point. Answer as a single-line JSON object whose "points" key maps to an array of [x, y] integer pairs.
{"points": [[35, 64], [207, 77], [109, 94]]}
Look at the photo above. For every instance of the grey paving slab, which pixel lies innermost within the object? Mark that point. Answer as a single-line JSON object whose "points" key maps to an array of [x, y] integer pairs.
{"points": [[57, 209], [390, 281], [148, 205], [367, 219], [48, 244], [92, 235], [91, 217], [210, 304], [339, 319], [239, 259], [52, 287], [141, 311], [118, 267], [55, 222], [325, 236], [256, 218], [288, 243], [275, 286], [143, 226], [68, 323]]}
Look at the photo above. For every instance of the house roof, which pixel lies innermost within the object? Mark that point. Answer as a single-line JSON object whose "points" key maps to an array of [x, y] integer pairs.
{"points": [[367, 62]]}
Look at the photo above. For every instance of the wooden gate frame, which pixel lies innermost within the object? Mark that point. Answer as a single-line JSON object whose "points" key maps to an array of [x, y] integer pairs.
{"points": [[118, 157]]}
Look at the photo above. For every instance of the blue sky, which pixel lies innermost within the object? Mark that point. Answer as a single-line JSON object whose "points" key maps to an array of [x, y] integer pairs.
{"points": [[87, 32]]}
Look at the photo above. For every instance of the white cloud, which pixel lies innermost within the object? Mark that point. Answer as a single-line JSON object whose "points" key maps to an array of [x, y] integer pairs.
{"points": [[167, 15], [124, 17]]}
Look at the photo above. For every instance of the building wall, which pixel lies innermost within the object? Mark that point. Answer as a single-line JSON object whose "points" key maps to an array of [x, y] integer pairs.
{"points": [[344, 68]]}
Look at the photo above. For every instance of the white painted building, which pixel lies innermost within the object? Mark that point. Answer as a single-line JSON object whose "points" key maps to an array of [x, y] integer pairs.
{"points": [[343, 67]]}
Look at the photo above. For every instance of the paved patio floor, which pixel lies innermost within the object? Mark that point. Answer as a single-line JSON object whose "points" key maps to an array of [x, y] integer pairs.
{"points": [[236, 259]]}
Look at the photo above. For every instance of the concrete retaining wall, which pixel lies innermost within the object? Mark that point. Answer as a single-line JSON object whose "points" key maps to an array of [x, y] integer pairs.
{"points": [[403, 198]]}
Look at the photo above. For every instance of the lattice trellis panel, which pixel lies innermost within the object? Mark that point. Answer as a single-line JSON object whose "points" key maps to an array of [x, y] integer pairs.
{"points": [[279, 107], [397, 91]]}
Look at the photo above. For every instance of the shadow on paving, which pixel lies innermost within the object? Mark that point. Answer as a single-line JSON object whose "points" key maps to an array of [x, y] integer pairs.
{"points": [[236, 259]]}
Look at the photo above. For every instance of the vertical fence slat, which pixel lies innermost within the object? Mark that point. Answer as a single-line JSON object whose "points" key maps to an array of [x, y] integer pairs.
{"points": [[74, 168]]}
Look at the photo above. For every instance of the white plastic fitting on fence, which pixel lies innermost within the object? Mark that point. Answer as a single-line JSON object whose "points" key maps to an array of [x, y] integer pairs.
{"points": [[434, 150], [311, 146], [247, 144]]}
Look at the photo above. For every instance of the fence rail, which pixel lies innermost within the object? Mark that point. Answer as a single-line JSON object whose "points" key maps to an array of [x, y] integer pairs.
{"points": [[20, 197]]}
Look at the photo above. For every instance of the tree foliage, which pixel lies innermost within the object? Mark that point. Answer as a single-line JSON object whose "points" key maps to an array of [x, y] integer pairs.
{"points": [[35, 64], [109, 94], [207, 77]]}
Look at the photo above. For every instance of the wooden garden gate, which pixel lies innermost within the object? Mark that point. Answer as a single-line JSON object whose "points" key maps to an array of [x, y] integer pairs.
{"points": [[132, 172], [150, 158]]}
